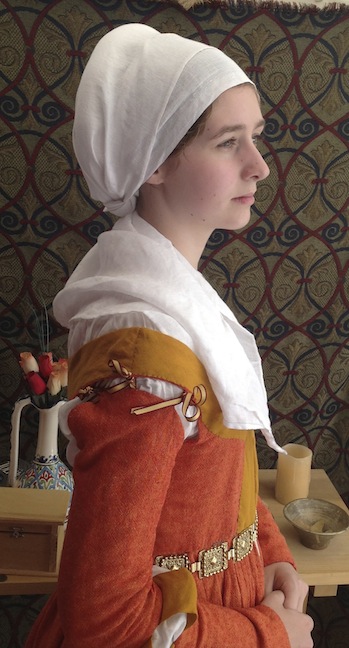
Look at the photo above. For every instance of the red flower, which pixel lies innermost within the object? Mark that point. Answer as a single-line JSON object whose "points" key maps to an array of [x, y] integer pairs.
{"points": [[45, 364], [36, 383]]}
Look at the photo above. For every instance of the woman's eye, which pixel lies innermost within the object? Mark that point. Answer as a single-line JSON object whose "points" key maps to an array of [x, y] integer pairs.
{"points": [[228, 143], [257, 139]]}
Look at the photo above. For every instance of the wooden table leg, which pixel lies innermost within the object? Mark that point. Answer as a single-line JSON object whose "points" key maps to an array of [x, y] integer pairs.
{"points": [[305, 603]]}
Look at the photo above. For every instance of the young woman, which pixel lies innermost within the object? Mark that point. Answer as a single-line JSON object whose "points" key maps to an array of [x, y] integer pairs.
{"points": [[167, 541]]}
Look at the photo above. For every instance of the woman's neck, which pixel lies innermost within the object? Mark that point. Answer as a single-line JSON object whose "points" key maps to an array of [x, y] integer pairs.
{"points": [[176, 228]]}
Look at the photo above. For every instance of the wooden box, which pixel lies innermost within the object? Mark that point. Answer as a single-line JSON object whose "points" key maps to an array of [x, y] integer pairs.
{"points": [[31, 530]]}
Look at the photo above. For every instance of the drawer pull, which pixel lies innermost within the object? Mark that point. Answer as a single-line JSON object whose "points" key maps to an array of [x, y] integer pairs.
{"points": [[16, 532]]}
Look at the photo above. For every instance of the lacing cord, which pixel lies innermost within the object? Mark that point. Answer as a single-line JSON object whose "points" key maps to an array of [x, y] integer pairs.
{"points": [[194, 398], [188, 399]]}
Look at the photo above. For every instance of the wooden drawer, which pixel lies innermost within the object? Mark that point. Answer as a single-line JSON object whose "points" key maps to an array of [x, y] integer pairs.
{"points": [[31, 530]]}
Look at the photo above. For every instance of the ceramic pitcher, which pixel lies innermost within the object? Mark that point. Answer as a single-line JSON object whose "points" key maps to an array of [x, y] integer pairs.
{"points": [[46, 471]]}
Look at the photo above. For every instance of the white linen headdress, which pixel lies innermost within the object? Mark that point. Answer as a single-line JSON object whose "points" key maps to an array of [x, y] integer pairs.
{"points": [[139, 94]]}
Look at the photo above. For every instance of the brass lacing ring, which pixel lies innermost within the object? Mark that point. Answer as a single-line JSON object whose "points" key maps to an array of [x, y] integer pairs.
{"points": [[195, 398]]}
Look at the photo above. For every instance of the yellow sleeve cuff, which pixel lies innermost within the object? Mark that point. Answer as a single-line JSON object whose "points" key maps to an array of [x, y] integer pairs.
{"points": [[179, 594]]}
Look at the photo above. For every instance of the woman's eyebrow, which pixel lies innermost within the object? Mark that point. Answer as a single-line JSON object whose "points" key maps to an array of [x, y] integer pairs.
{"points": [[237, 127]]}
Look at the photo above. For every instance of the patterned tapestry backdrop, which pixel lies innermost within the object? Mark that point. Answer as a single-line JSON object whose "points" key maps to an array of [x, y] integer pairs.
{"points": [[285, 276]]}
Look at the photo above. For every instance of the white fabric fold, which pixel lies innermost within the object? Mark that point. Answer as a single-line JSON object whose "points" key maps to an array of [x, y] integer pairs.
{"points": [[134, 268]]}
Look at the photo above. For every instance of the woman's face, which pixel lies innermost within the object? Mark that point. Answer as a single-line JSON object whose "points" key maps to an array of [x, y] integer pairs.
{"points": [[212, 182]]}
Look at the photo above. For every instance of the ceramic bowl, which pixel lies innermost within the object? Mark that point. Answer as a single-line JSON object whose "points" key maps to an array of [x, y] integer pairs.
{"points": [[317, 521]]}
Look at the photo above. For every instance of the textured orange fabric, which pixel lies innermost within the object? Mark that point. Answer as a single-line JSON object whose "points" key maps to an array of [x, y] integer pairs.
{"points": [[273, 545], [47, 630], [140, 491]]}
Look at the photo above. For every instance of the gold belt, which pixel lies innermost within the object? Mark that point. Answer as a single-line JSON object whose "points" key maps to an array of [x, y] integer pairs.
{"points": [[216, 559]]}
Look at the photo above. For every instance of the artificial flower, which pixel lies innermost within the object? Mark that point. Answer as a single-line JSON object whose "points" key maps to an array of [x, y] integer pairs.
{"points": [[36, 383], [28, 362], [45, 364], [46, 379], [61, 369], [54, 385]]}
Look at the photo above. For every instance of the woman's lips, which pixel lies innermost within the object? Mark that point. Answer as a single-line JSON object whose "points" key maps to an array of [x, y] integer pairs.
{"points": [[248, 199]]}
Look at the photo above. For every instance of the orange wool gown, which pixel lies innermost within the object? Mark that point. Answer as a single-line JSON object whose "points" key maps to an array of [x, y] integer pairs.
{"points": [[142, 492]]}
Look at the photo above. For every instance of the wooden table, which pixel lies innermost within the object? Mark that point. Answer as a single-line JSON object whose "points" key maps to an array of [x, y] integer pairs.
{"points": [[324, 569], [27, 585]]}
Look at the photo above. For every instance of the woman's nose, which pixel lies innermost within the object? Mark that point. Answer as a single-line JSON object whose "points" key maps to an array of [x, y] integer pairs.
{"points": [[256, 166]]}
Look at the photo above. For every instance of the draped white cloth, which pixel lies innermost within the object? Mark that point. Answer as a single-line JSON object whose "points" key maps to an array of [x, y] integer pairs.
{"points": [[135, 269]]}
